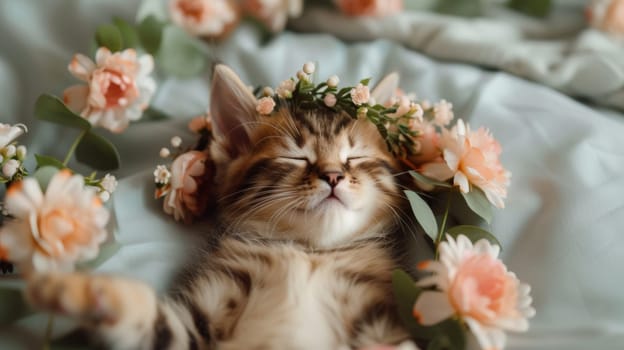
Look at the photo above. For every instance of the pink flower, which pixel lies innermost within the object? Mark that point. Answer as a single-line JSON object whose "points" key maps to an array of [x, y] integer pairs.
{"points": [[56, 229], [476, 286], [118, 88], [330, 100], [369, 7], [273, 13], [471, 158], [185, 196], [265, 105], [607, 15], [286, 88], [360, 94], [210, 18]]}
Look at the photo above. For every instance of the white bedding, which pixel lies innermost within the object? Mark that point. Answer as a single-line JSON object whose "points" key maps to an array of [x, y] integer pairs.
{"points": [[561, 230]]}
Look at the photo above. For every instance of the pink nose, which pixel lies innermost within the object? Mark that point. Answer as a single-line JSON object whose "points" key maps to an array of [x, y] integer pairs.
{"points": [[332, 177]]}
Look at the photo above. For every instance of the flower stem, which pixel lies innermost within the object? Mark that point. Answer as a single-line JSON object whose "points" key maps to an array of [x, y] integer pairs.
{"points": [[73, 147], [442, 226], [48, 334]]}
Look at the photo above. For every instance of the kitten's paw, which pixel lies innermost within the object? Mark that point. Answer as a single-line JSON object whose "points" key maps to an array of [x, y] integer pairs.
{"points": [[91, 298]]}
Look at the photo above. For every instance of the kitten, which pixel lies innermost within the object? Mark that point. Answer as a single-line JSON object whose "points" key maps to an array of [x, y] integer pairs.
{"points": [[308, 211]]}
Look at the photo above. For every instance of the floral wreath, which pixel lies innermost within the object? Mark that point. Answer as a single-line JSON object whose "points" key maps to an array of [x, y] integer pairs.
{"points": [[55, 219]]}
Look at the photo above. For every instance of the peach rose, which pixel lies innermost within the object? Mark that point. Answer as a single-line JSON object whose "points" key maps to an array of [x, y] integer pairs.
{"points": [[265, 105], [118, 88], [360, 94], [476, 286], [199, 123], [369, 7], [273, 13], [607, 15], [209, 18], [185, 195], [471, 158], [56, 229]]}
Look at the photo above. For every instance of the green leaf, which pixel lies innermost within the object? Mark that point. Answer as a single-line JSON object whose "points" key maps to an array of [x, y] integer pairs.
{"points": [[429, 181], [180, 54], [48, 161], [478, 203], [44, 174], [52, 109], [474, 233], [423, 214], [108, 35], [405, 295], [449, 335], [150, 33], [365, 81], [466, 8], [535, 8], [154, 114], [129, 36], [13, 307], [97, 152]]}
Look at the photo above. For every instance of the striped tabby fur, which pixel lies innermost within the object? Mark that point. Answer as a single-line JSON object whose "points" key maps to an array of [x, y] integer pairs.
{"points": [[308, 209]]}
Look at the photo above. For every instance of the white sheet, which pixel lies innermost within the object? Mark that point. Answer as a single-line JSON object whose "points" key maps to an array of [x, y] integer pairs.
{"points": [[561, 230]]}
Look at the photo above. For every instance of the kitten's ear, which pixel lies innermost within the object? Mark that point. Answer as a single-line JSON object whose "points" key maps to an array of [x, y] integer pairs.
{"points": [[386, 88], [233, 110]]}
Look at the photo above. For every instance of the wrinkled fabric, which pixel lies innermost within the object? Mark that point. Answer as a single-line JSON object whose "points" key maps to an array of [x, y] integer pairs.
{"points": [[561, 229]]}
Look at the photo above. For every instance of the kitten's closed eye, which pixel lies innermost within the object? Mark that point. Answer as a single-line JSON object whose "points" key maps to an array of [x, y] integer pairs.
{"points": [[295, 160]]}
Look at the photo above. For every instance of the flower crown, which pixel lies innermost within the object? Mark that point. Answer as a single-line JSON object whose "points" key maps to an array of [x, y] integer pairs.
{"points": [[397, 118]]}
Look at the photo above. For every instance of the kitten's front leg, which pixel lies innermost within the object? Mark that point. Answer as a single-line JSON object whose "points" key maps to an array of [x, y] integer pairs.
{"points": [[125, 314]]}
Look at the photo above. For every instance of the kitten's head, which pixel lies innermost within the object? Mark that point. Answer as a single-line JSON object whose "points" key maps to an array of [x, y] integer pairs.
{"points": [[318, 177]]}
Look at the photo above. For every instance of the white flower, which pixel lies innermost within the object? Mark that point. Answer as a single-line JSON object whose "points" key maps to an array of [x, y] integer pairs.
{"points": [[268, 91], [333, 81], [162, 175], [9, 151], [442, 113], [10, 168], [301, 75], [476, 286], [9, 133], [109, 183], [285, 88], [118, 88], [104, 196], [56, 229]]}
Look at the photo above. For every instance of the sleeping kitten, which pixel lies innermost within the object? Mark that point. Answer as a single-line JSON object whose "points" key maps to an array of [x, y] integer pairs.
{"points": [[308, 209]]}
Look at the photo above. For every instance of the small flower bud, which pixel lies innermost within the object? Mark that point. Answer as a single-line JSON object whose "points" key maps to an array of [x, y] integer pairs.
{"points": [[176, 141], [104, 196], [109, 183], [268, 91], [330, 100], [9, 151], [362, 111], [9, 169], [301, 75], [164, 152], [21, 152], [333, 81], [309, 68]]}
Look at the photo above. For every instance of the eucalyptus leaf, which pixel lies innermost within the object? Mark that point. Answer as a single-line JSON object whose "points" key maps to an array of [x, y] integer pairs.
{"points": [[429, 181], [423, 214], [150, 32], [108, 35], [180, 55], [13, 307], [535, 8], [154, 114], [52, 109], [474, 233], [48, 161], [405, 295], [478, 203], [129, 36], [97, 152], [44, 174]]}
